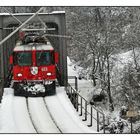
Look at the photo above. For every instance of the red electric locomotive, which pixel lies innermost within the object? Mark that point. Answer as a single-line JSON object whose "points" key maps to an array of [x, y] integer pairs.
{"points": [[34, 67]]}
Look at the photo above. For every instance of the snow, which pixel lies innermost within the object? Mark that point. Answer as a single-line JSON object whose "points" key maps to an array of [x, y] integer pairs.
{"points": [[87, 90], [123, 58], [60, 107], [71, 71], [35, 89], [41, 116], [21, 116], [119, 61], [56, 116], [14, 115], [85, 86], [6, 113], [32, 46], [64, 114], [58, 12]]}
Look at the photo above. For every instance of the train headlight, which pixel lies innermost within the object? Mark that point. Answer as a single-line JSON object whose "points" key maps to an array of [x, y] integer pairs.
{"points": [[19, 74], [49, 74]]}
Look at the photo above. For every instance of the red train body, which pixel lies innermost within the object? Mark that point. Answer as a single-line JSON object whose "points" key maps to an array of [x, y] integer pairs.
{"points": [[34, 69]]}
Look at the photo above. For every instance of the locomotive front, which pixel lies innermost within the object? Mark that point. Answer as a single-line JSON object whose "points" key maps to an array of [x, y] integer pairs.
{"points": [[34, 69]]}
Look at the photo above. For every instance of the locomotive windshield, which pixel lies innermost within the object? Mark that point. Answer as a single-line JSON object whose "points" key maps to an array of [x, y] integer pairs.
{"points": [[44, 58], [23, 58]]}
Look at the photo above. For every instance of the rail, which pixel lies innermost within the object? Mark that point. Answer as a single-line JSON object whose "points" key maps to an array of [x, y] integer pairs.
{"points": [[86, 110]]}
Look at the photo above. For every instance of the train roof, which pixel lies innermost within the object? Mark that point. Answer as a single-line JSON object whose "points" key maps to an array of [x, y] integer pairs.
{"points": [[33, 46]]}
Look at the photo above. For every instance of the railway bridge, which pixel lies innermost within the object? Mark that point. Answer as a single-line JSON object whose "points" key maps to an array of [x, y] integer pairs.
{"points": [[10, 24]]}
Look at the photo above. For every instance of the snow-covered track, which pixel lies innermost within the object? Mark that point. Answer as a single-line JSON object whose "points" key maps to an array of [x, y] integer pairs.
{"points": [[52, 116], [25, 115], [63, 113], [31, 116], [22, 118], [40, 117]]}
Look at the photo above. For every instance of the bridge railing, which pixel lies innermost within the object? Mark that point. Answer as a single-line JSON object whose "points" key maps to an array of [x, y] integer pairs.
{"points": [[93, 116]]}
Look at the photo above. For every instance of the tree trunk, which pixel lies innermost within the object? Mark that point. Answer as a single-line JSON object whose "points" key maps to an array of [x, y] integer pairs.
{"points": [[94, 80], [93, 70], [135, 59], [111, 106]]}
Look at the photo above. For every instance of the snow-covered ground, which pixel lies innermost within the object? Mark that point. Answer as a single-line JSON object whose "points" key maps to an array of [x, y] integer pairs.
{"points": [[55, 115], [84, 86], [41, 117], [119, 61], [64, 114], [14, 115]]}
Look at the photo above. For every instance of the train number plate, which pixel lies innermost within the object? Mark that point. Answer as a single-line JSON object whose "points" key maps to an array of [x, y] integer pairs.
{"points": [[44, 69]]}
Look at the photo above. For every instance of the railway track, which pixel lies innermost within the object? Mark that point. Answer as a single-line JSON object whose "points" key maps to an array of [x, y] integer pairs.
{"points": [[31, 116], [35, 107], [40, 116], [51, 115]]}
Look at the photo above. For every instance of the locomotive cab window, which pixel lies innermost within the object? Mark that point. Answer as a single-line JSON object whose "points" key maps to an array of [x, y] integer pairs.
{"points": [[44, 58], [23, 58]]}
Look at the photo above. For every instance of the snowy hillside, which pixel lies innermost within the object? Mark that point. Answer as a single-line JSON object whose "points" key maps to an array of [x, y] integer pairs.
{"points": [[122, 64], [120, 61], [84, 86]]}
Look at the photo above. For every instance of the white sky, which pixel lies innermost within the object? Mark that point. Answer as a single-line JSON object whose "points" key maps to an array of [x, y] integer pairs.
{"points": [[69, 2]]}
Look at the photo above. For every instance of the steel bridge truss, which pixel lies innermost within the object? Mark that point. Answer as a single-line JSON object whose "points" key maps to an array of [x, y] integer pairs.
{"points": [[10, 24]]}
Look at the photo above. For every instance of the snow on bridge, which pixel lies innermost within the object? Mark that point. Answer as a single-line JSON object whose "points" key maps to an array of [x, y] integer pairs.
{"points": [[52, 114]]}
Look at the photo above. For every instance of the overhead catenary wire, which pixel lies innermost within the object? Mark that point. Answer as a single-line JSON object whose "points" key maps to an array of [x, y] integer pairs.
{"points": [[42, 22], [12, 15], [41, 29], [52, 35], [22, 25]]}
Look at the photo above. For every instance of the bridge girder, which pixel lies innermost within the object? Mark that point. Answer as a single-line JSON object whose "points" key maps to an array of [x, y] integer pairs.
{"points": [[56, 19]]}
